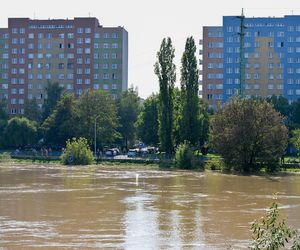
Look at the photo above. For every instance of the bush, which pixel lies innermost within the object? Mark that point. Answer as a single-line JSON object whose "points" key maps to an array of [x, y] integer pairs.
{"points": [[184, 157], [214, 164], [273, 234], [77, 153], [4, 157]]}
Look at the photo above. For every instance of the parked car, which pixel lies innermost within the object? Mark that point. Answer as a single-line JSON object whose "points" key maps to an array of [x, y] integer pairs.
{"points": [[132, 153], [112, 152]]}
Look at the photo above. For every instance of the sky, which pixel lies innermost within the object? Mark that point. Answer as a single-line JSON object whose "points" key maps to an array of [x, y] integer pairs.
{"points": [[148, 22]]}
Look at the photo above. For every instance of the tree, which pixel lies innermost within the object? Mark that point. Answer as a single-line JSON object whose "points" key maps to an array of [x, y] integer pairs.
{"points": [[204, 122], [32, 110], [295, 113], [20, 132], [128, 110], [147, 122], [190, 120], [165, 71], [3, 120], [177, 116], [77, 152], [296, 139], [62, 124], [53, 93], [271, 234], [280, 104], [247, 133], [98, 105]]}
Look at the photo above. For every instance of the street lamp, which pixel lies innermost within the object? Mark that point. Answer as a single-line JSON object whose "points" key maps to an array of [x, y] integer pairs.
{"points": [[95, 134]]}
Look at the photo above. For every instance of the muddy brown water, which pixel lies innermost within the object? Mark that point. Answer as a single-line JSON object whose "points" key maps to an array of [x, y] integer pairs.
{"points": [[46, 207]]}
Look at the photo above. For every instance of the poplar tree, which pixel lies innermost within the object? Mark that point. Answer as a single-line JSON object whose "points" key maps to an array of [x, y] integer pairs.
{"points": [[190, 117], [165, 70]]}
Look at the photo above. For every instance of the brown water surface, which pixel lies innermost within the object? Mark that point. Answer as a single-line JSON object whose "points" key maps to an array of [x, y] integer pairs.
{"points": [[92, 208]]}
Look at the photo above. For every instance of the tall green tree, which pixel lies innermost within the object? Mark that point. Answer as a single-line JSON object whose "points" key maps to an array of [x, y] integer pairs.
{"points": [[281, 105], [147, 122], [32, 110], [248, 134], [128, 106], [53, 93], [190, 120], [3, 121], [177, 116], [295, 113], [20, 132], [165, 70], [296, 139], [63, 123], [100, 107], [204, 122]]}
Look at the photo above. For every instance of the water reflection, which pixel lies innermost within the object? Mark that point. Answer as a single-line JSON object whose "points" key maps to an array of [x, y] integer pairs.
{"points": [[63, 208]]}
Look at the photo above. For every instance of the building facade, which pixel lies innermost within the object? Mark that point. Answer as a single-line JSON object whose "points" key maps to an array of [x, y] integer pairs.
{"points": [[79, 54], [270, 58]]}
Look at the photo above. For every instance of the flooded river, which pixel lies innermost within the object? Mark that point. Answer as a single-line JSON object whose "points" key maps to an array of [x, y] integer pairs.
{"points": [[92, 208]]}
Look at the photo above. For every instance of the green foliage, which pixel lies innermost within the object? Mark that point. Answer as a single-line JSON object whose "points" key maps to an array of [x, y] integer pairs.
{"points": [[128, 111], [280, 104], [214, 164], [62, 124], [20, 132], [248, 133], [77, 153], [295, 113], [147, 122], [32, 111], [53, 93], [98, 104], [296, 139], [3, 121], [166, 72], [190, 120], [4, 157], [184, 157], [271, 234]]}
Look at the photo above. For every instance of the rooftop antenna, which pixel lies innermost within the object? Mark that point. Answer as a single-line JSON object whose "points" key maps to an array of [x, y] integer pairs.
{"points": [[89, 14], [33, 15], [242, 48]]}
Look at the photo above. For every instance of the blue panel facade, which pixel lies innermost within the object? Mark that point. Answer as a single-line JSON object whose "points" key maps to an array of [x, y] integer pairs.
{"points": [[283, 36]]}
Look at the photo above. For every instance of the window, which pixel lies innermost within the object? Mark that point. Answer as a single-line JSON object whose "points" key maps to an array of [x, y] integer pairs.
{"points": [[70, 35], [14, 41], [61, 65], [70, 76], [61, 55], [79, 61], [270, 86], [14, 30], [87, 71], [22, 41], [114, 46], [40, 76], [30, 46], [105, 66], [79, 81], [113, 55], [87, 30], [79, 30], [96, 86], [96, 55], [40, 55], [114, 35], [61, 76], [87, 40], [61, 35], [31, 35], [106, 35], [79, 50], [70, 56], [105, 46], [61, 46], [271, 76], [97, 35], [40, 35], [14, 61], [21, 71], [105, 76], [70, 45], [40, 65], [48, 76], [79, 71], [70, 66], [96, 76], [87, 81], [47, 66], [79, 40], [87, 50]]}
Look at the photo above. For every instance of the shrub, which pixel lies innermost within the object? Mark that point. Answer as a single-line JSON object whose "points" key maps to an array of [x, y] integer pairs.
{"points": [[184, 157], [4, 157], [77, 153], [273, 234], [214, 164]]}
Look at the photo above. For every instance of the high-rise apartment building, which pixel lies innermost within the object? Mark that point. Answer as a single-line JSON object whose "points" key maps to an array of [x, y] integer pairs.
{"points": [[79, 54], [270, 58]]}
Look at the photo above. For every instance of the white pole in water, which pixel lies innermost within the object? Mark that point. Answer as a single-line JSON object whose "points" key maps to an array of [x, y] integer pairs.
{"points": [[136, 179]]}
